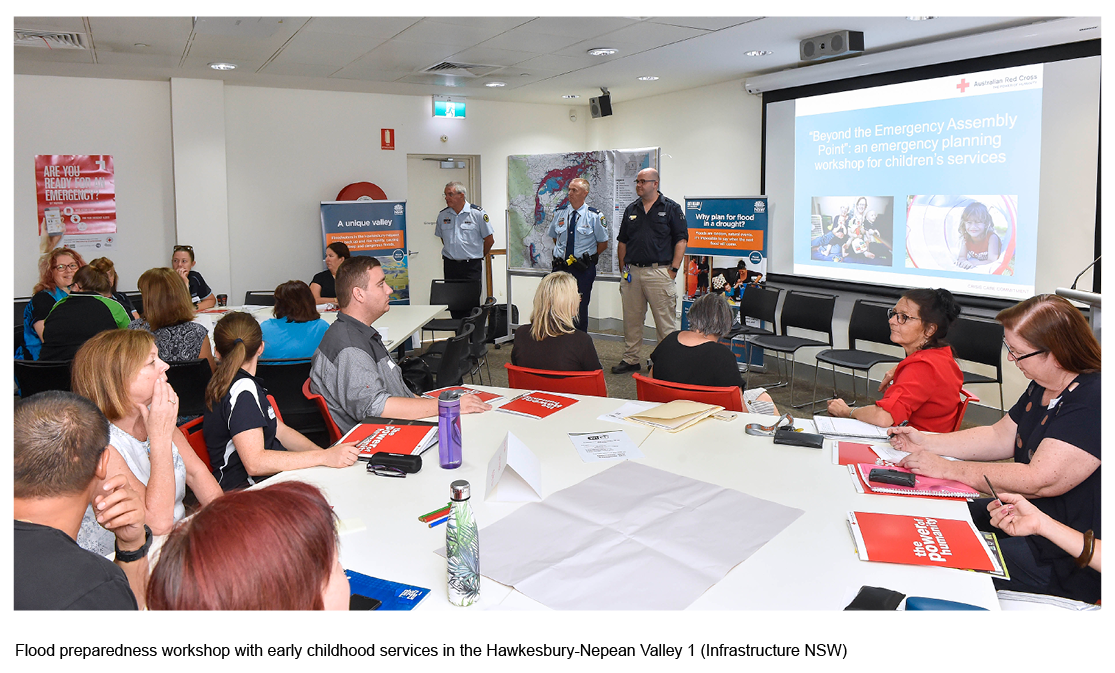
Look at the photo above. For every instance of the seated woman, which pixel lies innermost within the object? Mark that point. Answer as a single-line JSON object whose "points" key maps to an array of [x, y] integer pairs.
{"points": [[551, 341], [168, 314], [1018, 517], [924, 388], [75, 318], [274, 548], [182, 261], [323, 285], [696, 357], [105, 264], [1053, 435], [56, 274], [244, 438], [120, 371], [297, 327]]}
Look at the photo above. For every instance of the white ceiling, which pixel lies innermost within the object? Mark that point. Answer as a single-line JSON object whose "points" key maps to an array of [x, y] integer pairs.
{"points": [[539, 58]]}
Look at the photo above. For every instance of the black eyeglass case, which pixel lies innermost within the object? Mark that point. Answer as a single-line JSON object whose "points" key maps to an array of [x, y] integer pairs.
{"points": [[789, 436], [403, 461]]}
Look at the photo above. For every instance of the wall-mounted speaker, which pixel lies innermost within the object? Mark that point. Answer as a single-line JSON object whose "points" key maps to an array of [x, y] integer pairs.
{"points": [[831, 44], [601, 106]]}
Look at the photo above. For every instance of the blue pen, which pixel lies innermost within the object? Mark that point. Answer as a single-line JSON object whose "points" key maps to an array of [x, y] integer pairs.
{"points": [[439, 521]]}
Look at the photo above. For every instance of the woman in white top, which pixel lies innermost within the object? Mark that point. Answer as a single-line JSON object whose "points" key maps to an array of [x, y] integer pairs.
{"points": [[120, 371]]}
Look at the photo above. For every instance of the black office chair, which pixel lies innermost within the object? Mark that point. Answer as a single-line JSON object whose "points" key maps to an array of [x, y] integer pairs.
{"points": [[801, 310], [759, 303], [478, 350], [18, 343], [979, 340], [35, 376], [283, 380], [869, 322], [461, 296], [189, 378], [432, 355], [260, 297], [20, 306], [454, 361], [137, 300]]}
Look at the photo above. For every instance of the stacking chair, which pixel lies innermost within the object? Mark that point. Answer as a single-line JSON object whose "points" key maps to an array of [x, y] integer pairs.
{"points": [[137, 300], [432, 355], [801, 310], [979, 340], [283, 379], [35, 376], [189, 379], [578, 383], [869, 322], [962, 408], [192, 430], [454, 363], [260, 297], [760, 303], [323, 409], [657, 390], [478, 350], [461, 296]]}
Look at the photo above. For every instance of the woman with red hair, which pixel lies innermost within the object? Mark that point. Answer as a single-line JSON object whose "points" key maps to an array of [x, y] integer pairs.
{"points": [[56, 274], [269, 549]]}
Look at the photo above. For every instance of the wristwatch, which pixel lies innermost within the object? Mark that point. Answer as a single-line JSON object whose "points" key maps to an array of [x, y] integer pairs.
{"points": [[674, 269], [132, 556]]}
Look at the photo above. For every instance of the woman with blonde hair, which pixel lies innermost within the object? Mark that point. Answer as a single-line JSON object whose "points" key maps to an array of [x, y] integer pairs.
{"points": [[120, 371], [105, 265], [168, 313], [551, 341], [56, 274], [245, 439]]}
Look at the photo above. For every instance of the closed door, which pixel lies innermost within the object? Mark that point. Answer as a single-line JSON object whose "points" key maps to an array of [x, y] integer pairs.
{"points": [[426, 181]]}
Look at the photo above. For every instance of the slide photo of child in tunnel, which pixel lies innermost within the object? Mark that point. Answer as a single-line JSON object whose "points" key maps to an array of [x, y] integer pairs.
{"points": [[973, 233], [853, 229]]}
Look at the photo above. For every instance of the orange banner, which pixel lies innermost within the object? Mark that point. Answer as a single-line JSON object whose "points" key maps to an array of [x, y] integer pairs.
{"points": [[368, 240], [726, 239]]}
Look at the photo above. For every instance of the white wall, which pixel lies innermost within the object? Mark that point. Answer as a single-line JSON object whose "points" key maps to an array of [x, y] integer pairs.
{"points": [[129, 120]]}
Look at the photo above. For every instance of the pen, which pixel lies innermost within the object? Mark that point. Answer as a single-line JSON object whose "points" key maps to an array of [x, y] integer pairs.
{"points": [[904, 423], [434, 514], [993, 493], [439, 521]]}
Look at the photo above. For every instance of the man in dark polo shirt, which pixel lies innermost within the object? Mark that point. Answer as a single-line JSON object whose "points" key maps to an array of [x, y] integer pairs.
{"points": [[650, 245], [61, 466]]}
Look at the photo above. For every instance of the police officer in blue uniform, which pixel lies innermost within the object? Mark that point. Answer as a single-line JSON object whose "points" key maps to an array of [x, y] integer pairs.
{"points": [[579, 233], [466, 235]]}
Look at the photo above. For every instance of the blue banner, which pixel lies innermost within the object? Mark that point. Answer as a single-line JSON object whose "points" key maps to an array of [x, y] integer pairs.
{"points": [[374, 229]]}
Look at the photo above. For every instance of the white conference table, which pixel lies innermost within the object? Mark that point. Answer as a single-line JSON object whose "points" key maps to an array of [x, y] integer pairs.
{"points": [[810, 565], [400, 322]]}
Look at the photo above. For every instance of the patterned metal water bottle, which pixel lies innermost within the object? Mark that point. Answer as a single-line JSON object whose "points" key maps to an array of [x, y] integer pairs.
{"points": [[462, 547], [449, 429]]}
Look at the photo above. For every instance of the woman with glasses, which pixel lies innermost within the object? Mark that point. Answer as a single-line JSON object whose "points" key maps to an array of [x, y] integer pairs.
{"points": [[182, 261], [924, 388], [246, 440], [1053, 435], [56, 274], [323, 285]]}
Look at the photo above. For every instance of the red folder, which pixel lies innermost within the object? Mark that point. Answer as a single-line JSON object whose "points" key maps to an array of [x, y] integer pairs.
{"points": [[851, 453], [919, 540], [537, 404]]}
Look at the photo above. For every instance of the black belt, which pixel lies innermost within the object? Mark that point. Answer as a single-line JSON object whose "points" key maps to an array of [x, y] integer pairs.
{"points": [[649, 264], [450, 259]]}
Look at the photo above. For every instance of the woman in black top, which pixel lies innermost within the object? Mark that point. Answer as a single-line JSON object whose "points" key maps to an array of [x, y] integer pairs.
{"points": [[323, 285], [105, 265], [551, 341], [696, 357]]}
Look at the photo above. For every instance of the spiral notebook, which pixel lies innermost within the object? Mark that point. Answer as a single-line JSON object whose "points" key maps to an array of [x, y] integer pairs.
{"points": [[930, 487]]}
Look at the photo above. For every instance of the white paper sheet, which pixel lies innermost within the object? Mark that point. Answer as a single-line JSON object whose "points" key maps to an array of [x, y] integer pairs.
{"points": [[611, 445], [848, 427], [629, 408], [630, 538]]}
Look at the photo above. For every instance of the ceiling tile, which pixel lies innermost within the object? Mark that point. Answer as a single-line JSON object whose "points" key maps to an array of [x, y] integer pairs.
{"points": [[54, 55], [488, 56], [326, 49], [579, 27], [298, 69], [163, 35], [404, 56], [702, 22], [429, 31], [368, 74], [498, 23], [521, 39], [559, 63], [382, 27], [135, 59], [62, 24]]}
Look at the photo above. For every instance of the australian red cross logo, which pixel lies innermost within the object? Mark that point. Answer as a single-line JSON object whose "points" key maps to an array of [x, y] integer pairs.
{"points": [[963, 85]]}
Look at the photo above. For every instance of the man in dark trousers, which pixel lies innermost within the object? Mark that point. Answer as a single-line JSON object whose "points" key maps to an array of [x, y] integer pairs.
{"points": [[651, 245], [580, 234], [466, 235]]}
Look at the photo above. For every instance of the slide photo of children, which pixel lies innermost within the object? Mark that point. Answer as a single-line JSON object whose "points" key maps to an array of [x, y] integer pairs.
{"points": [[973, 233], [853, 229]]}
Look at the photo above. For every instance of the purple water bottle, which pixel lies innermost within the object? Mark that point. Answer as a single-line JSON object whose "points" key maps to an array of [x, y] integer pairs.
{"points": [[449, 429]]}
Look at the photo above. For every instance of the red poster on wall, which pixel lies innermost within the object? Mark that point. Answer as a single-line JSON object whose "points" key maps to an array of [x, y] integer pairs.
{"points": [[76, 194]]}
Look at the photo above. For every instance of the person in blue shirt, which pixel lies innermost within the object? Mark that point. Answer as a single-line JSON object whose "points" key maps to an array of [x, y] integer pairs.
{"points": [[297, 328], [579, 236], [467, 237]]}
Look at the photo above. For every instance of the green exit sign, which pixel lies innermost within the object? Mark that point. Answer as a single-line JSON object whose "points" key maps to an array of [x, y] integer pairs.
{"points": [[449, 108]]}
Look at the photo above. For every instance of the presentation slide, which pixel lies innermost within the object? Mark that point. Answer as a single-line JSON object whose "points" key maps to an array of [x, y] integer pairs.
{"points": [[930, 183]]}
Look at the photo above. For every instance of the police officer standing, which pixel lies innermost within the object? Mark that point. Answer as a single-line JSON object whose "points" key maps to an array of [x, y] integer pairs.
{"points": [[651, 245], [579, 236], [466, 237]]}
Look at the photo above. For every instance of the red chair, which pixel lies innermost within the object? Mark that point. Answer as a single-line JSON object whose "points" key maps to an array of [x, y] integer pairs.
{"points": [[192, 430], [275, 406], [657, 390], [334, 431], [965, 398], [578, 383]]}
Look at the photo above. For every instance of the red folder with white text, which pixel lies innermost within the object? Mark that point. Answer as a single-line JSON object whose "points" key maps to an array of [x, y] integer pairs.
{"points": [[537, 404], [919, 540]]}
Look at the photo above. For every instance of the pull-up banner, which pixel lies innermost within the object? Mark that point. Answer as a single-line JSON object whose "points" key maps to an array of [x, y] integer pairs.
{"points": [[373, 229], [728, 227]]}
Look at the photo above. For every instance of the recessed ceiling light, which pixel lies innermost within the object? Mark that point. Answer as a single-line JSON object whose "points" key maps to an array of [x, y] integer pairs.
{"points": [[495, 84], [647, 78], [140, 44], [223, 66], [920, 18], [758, 52], [603, 51], [570, 95]]}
